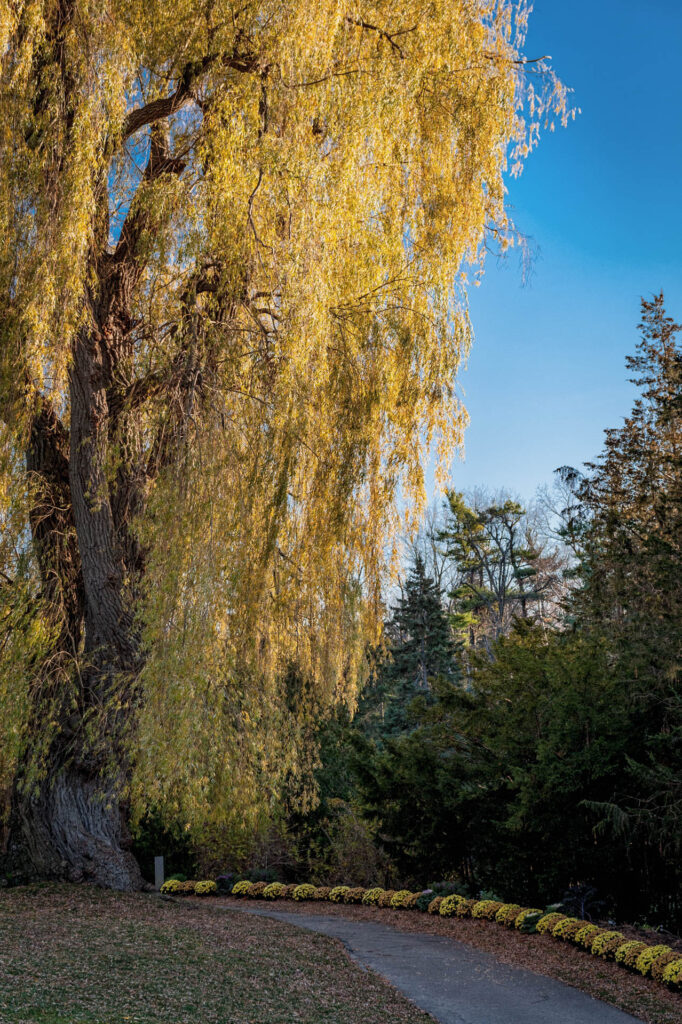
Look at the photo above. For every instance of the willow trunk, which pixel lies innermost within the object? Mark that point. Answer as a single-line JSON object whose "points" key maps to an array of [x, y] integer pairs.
{"points": [[72, 824]]}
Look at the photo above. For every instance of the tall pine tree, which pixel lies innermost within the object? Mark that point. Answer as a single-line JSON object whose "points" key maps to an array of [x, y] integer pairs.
{"points": [[505, 570]]}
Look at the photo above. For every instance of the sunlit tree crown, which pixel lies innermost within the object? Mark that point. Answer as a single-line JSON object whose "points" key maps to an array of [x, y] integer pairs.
{"points": [[277, 205]]}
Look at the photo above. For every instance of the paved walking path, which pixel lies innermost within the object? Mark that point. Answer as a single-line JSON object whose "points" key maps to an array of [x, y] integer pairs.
{"points": [[454, 982]]}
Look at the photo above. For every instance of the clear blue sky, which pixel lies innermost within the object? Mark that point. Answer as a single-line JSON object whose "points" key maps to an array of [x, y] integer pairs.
{"points": [[602, 202]]}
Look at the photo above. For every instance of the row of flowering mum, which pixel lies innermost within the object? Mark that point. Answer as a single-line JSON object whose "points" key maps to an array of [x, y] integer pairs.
{"points": [[174, 887], [659, 962]]}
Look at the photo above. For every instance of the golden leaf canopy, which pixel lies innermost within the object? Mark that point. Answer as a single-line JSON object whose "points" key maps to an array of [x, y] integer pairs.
{"points": [[297, 195]]}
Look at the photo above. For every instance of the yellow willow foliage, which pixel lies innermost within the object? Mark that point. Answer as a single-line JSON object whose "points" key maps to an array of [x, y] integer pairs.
{"points": [[328, 176], [25, 636], [248, 632]]}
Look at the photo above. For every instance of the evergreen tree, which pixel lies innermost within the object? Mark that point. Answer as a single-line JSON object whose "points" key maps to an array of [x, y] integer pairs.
{"points": [[420, 647], [504, 569], [630, 530], [561, 761], [418, 786], [547, 730], [490, 783]]}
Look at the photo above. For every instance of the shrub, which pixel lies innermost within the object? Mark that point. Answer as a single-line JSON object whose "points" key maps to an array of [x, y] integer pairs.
{"points": [[288, 891], [225, 882], [606, 944], [446, 888], [485, 909], [241, 888], [354, 895], [567, 928], [586, 935], [434, 905], [628, 952], [411, 901], [398, 900], [423, 900], [464, 907], [350, 851], [386, 897], [186, 888], [171, 885], [266, 875], [205, 888], [449, 904], [661, 962], [371, 897], [338, 892], [507, 914], [489, 894], [548, 922], [274, 891], [672, 974], [304, 892], [527, 920], [257, 889], [646, 958], [322, 892], [581, 901]]}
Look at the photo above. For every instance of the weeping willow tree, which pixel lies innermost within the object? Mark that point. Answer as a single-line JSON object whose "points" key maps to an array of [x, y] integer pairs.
{"points": [[234, 239]]}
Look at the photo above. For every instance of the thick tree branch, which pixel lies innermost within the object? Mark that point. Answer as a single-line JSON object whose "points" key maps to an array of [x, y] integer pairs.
{"points": [[131, 396], [160, 160], [166, 106], [137, 219]]}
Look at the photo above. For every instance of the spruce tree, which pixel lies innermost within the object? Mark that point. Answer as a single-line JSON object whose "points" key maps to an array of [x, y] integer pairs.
{"points": [[630, 519], [420, 647]]}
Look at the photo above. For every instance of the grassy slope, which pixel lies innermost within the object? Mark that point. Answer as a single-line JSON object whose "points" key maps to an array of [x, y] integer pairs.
{"points": [[75, 955]]}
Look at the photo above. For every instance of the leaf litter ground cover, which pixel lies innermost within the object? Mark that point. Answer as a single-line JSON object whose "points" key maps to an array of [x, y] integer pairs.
{"points": [[79, 955]]}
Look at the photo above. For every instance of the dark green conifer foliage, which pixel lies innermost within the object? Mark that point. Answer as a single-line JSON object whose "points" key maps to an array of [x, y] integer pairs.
{"points": [[420, 785], [420, 647], [631, 594]]}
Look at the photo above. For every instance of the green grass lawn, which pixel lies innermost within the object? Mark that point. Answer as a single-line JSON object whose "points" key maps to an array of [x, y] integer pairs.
{"points": [[76, 955]]}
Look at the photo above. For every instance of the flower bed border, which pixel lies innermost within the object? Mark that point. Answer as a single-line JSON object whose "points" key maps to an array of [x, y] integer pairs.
{"points": [[659, 962]]}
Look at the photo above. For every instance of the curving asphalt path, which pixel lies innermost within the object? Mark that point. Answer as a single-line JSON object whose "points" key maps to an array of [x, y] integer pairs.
{"points": [[454, 982]]}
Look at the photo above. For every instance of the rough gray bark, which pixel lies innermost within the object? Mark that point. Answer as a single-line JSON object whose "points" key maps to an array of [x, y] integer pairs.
{"points": [[73, 826], [74, 831]]}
